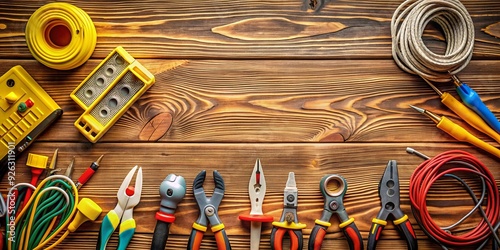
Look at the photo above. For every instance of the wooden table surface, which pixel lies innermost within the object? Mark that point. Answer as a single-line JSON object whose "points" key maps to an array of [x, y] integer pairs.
{"points": [[310, 92]]}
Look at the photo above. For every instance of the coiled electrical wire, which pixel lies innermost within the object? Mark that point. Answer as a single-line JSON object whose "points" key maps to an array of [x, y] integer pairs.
{"points": [[448, 164], [409, 50], [61, 36], [47, 213]]}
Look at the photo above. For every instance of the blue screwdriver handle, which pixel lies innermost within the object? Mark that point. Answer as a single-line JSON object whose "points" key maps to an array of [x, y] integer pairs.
{"points": [[473, 101]]}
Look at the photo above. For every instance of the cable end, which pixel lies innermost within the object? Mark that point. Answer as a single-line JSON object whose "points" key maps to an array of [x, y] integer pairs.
{"points": [[456, 80], [417, 153]]}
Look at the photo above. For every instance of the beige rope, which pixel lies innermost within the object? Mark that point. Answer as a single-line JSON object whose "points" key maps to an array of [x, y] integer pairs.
{"points": [[408, 48]]}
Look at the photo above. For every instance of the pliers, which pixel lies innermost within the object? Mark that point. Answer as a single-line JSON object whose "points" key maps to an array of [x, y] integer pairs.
{"points": [[334, 205], [208, 213], [128, 198], [257, 192], [289, 222], [389, 195]]}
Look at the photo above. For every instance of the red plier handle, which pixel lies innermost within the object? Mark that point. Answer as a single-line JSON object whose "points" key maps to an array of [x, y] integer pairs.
{"points": [[349, 229], [277, 235], [403, 224]]}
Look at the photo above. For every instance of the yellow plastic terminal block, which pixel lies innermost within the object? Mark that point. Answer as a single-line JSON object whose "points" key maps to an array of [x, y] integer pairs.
{"points": [[37, 161], [107, 93], [26, 110]]}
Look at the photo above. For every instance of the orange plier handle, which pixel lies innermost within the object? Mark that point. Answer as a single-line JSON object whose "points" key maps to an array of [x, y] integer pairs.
{"points": [[278, 233], [196, 237]]}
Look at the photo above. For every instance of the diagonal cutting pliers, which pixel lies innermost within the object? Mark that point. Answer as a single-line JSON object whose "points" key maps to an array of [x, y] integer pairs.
{"points": [[128, 198], [334, 205], [208, 213], [289, 222], [389, 196]]}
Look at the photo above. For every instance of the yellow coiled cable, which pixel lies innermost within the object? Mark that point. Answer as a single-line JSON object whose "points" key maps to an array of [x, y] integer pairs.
{"points": [[61, 36]]}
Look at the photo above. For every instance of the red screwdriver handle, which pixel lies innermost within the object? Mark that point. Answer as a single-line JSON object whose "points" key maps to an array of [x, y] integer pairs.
{"points": [[256, 218]]}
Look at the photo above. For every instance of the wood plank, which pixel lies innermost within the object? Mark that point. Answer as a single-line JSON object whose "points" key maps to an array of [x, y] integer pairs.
{"points": [[244, 29], [361, 164], [273, 101]]}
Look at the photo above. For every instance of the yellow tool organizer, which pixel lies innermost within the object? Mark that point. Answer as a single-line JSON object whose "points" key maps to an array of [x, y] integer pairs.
{"points": [[107, 93], [26, 111]]}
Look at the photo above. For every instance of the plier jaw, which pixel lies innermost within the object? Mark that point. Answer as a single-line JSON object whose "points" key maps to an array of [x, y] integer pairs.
{"points": [[289, 222], [389, 193], [122, 214], [257, 189], [208, 213]]}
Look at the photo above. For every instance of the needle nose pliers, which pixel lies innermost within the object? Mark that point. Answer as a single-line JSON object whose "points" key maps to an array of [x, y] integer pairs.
{"points": [[334, 205], [208, 213], [128, 198], [289, 222], [389, 195]]}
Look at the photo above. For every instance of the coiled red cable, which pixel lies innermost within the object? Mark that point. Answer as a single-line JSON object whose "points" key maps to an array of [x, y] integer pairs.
{"points": [[451, 162]]}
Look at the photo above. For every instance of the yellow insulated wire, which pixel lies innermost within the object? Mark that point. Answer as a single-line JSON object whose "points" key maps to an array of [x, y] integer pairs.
{"points": [[61, 36]]}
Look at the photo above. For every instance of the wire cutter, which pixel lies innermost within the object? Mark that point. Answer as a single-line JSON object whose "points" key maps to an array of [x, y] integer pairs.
{"points": [[334, 205], [128, 198], [289, 222], [257, 192], [208, 213], [389, 195]]}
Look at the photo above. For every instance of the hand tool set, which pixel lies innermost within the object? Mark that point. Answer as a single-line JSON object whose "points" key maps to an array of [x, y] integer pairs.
{"points": [[62, 36]]}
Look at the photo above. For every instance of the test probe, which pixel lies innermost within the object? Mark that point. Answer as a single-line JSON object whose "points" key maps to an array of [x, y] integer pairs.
{"points": [[457, 132]]}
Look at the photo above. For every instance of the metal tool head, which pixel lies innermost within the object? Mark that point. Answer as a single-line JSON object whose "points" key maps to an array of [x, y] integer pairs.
{"points": [[333, 187], [389, 187], [199, 192], [125, 198], [257, 188], [70, 169], [291, 191], [3, 206], [208, 206], [172, 191]]}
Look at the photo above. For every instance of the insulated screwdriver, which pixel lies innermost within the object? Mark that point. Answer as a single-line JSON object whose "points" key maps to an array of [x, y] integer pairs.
{"points": [[88, 173], [472, 99], [465, 113], [458, 132]]}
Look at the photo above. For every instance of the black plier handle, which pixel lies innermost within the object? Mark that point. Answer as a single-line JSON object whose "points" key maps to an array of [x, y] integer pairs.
{"points": [[404, 226], [160, 235]]}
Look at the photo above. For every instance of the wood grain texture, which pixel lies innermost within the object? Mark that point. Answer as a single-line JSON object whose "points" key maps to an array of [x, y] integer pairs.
{"points": [[235, 161], [185, 29], [311, 92], [274, 100]]}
